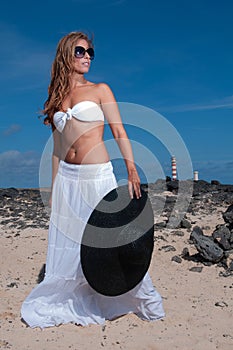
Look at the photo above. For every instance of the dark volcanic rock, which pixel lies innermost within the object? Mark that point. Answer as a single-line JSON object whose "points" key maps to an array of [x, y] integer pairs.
{"points": [[228, 215], [231, 266], [177, 259], [173, 185], [185, 253], [224, 237], [214, 191], [159, 186], [185, 224], [8, 193], [22, 208], [215, 182], [196, 269], [188, 197], [197, 230], [200, 186], [205, 245], [178, 233], [168, 248], [41, 274]]}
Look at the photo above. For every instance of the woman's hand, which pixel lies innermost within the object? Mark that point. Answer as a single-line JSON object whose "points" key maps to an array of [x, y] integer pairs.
{"points": [[134, 184]]}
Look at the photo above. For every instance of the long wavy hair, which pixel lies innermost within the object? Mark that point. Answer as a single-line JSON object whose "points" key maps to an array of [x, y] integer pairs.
{"points": [[62, 69]]}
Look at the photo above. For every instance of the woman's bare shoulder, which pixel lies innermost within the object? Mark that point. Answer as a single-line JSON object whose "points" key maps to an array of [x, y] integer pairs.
{"points": [[103, 87], [104, 92]]}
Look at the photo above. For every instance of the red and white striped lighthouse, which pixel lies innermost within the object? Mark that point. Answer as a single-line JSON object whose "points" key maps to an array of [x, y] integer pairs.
{"points": [[174, 171]]}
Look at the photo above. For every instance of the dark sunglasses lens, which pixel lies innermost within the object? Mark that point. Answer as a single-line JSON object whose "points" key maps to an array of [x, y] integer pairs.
{"points": [[79, 51], [91, 53]]}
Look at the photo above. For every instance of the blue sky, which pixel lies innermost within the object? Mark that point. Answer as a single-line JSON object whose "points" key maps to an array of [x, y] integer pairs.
{"points": [[173, 57]]}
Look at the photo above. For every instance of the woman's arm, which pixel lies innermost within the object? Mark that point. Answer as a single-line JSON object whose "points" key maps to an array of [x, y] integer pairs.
{"points": [[55, 159], [112, 114]]}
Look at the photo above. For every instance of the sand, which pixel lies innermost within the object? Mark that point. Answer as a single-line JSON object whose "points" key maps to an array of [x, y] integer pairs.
{"points": [[198, 305]]}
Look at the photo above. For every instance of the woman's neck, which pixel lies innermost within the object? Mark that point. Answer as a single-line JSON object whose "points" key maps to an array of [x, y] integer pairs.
{"points": [[78, 80]]}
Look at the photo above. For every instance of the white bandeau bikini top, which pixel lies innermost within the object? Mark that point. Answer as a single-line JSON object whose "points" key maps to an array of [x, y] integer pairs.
{"points": [[85, 111]]}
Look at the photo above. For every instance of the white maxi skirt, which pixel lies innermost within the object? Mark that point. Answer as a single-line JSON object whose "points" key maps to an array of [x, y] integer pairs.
{"points": [[64, 296]]}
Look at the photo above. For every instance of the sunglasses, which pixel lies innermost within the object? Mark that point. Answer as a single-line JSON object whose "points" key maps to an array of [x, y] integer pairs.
{"points": [[80, 51]]}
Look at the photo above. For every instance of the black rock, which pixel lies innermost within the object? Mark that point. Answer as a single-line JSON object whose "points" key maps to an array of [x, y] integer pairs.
{"points": [[196, 269], [161, 224], [200, 187], [213, 192], [168, 248], [223, 263], [197, 230], [225, 273], [215, 182], [22, 208], [228, 215], [185, 253], [178, 233], [221, 304], [158, 203], [11, 192], [206, 246], [41, 274], [12, 284], [207, 263], [158, 187], [173, 185], [224, 237], [231, 266], [185, 224], [177, 259]]}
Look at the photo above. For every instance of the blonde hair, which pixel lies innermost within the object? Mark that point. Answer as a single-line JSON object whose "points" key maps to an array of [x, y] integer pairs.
{"points": [[61, 71]]}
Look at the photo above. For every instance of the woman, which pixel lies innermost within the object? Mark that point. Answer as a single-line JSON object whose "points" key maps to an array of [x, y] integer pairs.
{"points": [[82, 175]]}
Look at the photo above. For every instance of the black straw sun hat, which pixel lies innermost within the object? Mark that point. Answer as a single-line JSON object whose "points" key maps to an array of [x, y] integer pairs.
{"points": [[118, 242]]}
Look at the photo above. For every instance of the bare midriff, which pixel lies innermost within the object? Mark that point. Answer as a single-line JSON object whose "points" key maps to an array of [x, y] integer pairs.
{"points": [[82, 143]]}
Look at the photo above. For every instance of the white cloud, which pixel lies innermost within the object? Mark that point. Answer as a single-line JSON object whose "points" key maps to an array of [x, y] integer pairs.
{"points": [[223, 103], [12, 129], [215, 170], [19, 169]]}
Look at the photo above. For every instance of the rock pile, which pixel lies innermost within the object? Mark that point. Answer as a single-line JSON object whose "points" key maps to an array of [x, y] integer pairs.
{"points": [[22, 208], [219, 246], [206, 197]]}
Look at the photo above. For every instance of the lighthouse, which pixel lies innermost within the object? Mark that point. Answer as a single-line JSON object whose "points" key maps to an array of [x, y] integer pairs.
{"points": [[174, 170]]}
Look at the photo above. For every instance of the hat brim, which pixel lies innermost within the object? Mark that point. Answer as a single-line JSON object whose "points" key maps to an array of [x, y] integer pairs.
{"points": [[118, 242]]}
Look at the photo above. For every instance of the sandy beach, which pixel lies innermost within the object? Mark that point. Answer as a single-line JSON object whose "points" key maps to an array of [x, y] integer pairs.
{"points": [[198, 299]]}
